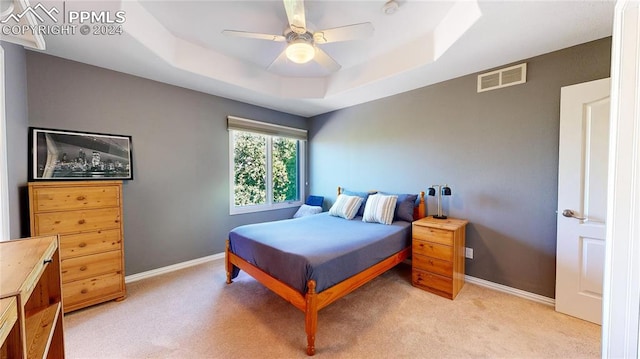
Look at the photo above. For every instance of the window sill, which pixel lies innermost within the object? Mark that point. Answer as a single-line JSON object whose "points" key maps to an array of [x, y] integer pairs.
{"points": [[263, 208]]}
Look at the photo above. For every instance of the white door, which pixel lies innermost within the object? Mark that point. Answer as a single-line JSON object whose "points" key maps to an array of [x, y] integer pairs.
{"points": [[582, 198]]}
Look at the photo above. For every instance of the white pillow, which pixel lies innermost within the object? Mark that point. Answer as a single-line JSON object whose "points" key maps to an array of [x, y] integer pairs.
{"points": [[380, 209], [346, 206], [307, 210]]}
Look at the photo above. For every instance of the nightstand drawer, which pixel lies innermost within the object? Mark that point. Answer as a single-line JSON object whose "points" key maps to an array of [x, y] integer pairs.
{"points": [[74, 245], [433, 281], [65, 198], [433, 235], [90, 266], [76, 221], [434, 250], [433, 265]]}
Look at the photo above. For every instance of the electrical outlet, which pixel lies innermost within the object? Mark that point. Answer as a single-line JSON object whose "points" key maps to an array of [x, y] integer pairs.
{"points": [[468, 252]]}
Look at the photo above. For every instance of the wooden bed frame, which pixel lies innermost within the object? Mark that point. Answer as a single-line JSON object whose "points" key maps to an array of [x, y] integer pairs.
{"points": [[312, 302]]}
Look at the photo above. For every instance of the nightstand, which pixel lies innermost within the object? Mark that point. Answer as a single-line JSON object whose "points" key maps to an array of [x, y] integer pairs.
{"points": [[438, 255]]}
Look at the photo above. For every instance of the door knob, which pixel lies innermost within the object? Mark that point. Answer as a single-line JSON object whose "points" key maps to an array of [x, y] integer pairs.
{"points": [[571, 214]]}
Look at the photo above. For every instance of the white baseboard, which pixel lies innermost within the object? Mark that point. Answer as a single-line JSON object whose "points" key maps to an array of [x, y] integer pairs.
{"points": [[513, 291], [477, 281], [171, 268]]}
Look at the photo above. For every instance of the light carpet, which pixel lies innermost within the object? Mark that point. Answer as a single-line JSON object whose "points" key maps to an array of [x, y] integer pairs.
{"points": [[193, 313]]}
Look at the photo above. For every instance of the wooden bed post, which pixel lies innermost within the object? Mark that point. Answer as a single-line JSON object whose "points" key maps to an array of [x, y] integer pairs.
{"points": [[228, 264], [421, 210], [311, 317]]}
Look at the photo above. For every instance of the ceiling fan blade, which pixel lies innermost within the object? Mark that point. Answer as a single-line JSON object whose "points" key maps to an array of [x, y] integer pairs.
{"points": [[326, 61], [254, 35], [281, 59], [344, 33], [295, 15]]}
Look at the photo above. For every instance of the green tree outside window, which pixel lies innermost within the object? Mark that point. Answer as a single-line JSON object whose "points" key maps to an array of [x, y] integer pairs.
{"points": [[251, 168]]}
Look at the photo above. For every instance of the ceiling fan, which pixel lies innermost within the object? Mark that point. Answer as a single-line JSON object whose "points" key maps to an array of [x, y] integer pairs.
{"points": [[301, 42]]}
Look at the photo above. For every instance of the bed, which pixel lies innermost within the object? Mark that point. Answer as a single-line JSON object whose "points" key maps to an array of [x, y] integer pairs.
{"points": [[313, 261]]}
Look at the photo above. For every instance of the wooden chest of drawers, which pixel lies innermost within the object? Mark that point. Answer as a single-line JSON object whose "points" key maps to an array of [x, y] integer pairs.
{"points": [[438, 248], [88, 217]]}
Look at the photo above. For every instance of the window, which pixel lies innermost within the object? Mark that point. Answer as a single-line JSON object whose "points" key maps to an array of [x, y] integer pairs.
{"points": [[267, 165]]}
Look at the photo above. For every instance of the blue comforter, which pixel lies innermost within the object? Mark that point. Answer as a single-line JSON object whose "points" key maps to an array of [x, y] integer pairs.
{"points": [[324, 248]]}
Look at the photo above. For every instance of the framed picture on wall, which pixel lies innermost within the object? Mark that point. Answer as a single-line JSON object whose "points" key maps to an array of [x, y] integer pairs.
{"points": [[71, 155]]}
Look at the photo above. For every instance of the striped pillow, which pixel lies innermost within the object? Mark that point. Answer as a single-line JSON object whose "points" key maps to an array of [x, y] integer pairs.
{"points": [[380, 208], [345, 206]]}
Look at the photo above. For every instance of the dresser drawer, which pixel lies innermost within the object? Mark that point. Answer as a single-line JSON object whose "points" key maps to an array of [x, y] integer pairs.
{"points": [[433, 250], [433, 281], [74, 198], [8, 316], [433, 235], [91, 266], [76, 221], [74, 245], [433, 265], [88, 290]]}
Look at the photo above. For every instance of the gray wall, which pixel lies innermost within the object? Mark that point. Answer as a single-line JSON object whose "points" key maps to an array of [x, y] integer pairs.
{"points": [[17, 124], [177, 207], [497, 150]]}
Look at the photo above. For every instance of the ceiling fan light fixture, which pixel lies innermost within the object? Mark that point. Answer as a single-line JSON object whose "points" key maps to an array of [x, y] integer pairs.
{"points": [[300, 52]]}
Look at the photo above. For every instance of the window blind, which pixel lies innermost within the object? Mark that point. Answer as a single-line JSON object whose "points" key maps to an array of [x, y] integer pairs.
{"points": [[243, 124]]}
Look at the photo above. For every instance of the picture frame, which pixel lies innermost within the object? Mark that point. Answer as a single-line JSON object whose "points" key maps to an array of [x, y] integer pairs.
{"points": [[61, 155]]}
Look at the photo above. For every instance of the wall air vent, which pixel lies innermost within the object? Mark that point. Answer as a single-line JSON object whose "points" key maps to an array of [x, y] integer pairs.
{"points": [[508, 76]]}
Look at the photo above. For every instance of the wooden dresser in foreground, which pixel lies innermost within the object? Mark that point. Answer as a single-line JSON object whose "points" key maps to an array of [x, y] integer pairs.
{"points": [[31, 322], [438, 255], [88, 217]]}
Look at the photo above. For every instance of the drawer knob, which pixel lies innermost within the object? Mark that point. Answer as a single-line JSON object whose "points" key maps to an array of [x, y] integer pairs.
{"points": [[82, 245], [81, 198], [84, 291], [430, 261], [82, 221], [83, 268]]}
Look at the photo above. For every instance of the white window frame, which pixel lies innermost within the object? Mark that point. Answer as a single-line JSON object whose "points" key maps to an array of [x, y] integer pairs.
{"points": [[269, 205]]}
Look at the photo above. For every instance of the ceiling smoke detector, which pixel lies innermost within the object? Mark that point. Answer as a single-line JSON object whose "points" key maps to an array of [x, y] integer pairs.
{"points": [[390, 7]]}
